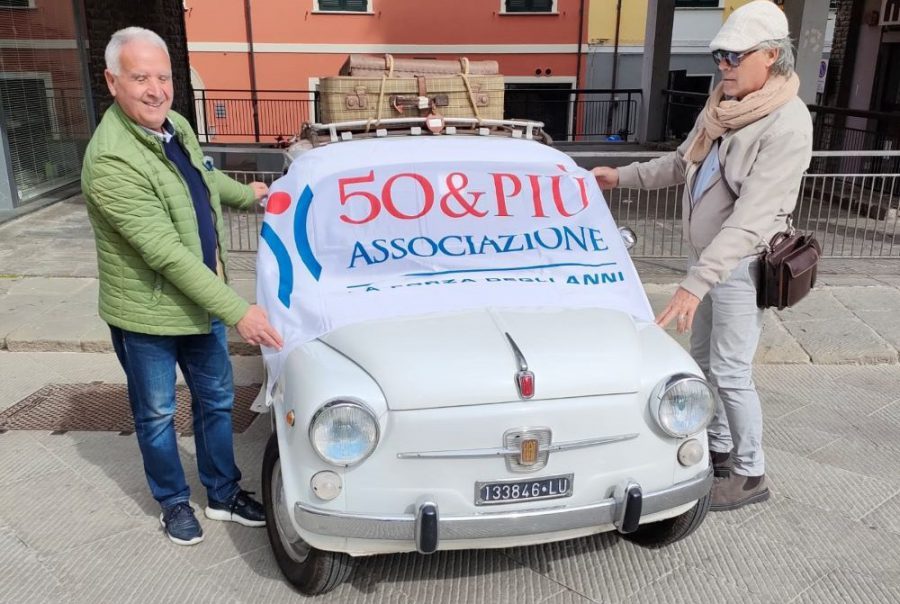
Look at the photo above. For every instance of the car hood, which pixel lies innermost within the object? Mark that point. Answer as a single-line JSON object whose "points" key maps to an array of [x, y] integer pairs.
{"points": [[467, 359]]}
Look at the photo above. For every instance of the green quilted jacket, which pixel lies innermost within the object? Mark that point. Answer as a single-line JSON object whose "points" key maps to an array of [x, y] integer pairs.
{"points": [[152, 276]]}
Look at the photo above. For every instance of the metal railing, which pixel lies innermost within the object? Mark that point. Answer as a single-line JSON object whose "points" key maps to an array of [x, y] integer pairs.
{"points": [[853, 215], [871, 131], [273, 116], [243, 226], [839, 129], [269, 116], [583, 114], [682, 109]]}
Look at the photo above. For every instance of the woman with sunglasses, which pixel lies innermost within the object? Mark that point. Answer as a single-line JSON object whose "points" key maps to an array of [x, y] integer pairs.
{"points": [[741, 165]]}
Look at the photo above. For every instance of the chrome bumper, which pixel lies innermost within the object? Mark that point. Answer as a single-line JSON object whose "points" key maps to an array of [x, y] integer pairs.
{"points": [[407, 527]]}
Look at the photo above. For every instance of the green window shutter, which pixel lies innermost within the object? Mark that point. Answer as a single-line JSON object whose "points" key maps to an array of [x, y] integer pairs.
{"points": [[529, 6], [360, 6]]}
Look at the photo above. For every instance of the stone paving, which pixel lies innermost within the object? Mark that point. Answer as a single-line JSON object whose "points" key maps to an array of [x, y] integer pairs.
{"points": [[77, 523]]}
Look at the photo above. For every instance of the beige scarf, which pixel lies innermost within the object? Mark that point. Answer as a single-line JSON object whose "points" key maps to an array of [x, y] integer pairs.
{"points": [[720, 115]]}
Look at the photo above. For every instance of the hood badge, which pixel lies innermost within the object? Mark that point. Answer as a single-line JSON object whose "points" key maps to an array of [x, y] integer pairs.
{"points": [[528, 453], [527, 449], [524, 379]]}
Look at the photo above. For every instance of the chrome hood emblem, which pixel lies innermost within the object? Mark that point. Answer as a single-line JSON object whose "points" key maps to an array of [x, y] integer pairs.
{"points": [[524, 379]]}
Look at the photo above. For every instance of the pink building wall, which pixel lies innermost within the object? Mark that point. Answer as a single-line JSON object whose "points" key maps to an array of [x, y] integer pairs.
{"points": [[294, 46]]}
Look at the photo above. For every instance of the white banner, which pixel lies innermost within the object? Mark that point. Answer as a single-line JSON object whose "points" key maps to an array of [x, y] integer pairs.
{"points": [[387, 228]]}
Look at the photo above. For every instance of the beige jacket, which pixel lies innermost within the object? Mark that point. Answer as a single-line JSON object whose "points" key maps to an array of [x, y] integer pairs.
{"points": [[763, 163]]}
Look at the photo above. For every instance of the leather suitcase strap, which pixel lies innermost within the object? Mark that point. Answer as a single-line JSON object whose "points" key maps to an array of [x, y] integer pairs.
{"points": [[345, 98], [424, 103], [376, 65]]}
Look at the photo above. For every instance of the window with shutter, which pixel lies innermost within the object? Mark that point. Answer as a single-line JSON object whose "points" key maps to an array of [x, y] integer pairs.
{"points": [[528, 6], [43, 107], [40, 144], [349, 6]]}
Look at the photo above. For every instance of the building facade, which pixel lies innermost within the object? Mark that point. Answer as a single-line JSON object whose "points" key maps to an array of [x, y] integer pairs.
{"points": [[539, 45], [52, 88], [616, 42], [231, 56], [865, 76]]}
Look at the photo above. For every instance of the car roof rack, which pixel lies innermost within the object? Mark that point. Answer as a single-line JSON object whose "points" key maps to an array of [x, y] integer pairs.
{"points": [[323, 134]]}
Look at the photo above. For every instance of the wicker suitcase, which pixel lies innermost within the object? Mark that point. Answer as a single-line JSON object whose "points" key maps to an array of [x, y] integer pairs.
{"points": [[349, 98], [385, 95], [378, 65]]}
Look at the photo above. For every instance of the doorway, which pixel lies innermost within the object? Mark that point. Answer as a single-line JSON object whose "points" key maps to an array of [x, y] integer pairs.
{"points": [[543, 102]]}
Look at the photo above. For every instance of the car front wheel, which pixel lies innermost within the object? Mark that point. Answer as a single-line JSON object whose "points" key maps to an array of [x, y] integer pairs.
{"points": [[670, 530], [310, 570]]}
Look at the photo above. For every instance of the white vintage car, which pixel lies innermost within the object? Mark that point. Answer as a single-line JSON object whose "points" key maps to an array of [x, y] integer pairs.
{"points": [[474, 394]]}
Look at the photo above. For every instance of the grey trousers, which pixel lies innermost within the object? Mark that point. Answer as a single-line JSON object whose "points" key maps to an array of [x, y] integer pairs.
{"points": [[724, 337]]}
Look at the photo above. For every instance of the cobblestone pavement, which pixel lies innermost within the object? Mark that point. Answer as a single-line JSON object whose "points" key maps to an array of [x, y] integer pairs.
{"points": [[77, 523]]}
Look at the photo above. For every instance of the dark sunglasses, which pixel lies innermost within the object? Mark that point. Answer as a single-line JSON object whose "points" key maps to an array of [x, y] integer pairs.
{"points": [[733, 59]]}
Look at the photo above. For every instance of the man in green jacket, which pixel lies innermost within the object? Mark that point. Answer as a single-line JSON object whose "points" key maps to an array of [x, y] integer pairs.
{"points": [[157, 217]]}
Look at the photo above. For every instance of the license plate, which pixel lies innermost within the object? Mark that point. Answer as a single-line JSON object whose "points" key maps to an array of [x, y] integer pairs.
{"points": [[513, 491]]}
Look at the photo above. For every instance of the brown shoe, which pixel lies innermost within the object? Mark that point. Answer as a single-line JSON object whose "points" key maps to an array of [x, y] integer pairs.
{"points": [[721, 463], [737, 491]]}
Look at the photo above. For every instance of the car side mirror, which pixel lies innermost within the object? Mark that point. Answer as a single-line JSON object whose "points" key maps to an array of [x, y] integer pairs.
{"points": [[629, 238]]}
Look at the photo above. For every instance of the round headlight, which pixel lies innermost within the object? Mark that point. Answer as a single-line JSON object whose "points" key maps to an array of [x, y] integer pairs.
{"points": [[683, 405], [343, 432]]}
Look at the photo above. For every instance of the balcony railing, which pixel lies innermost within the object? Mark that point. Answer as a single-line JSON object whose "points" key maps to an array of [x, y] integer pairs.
{"points": [[269, 116], [834, 129], [273, 116], [837, 129]]}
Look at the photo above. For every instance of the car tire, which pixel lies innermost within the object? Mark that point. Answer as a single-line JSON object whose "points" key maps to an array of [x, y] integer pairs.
{"points": [[311, 571], [670, 530]]}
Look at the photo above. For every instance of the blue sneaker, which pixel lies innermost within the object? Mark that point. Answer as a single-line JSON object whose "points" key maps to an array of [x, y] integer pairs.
{"points": [[181, 525], [241, 508]]}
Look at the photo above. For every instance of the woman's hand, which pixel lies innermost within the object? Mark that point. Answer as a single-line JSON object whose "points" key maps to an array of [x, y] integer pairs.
{"points": [[607, 178], [682, 307]]}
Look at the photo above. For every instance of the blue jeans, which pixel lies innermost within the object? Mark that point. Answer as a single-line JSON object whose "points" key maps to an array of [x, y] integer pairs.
{"points": [[149, 364]]}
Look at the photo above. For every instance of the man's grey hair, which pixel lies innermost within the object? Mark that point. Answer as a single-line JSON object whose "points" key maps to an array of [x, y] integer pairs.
{"points": [[784, 64], [122, 37]]}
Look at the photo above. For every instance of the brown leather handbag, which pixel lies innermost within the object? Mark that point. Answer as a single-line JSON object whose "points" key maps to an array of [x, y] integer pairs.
{"points": [[787, 269]]}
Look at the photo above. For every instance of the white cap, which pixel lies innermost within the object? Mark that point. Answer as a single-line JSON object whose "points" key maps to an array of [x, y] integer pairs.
{"points": [[751, 24]]}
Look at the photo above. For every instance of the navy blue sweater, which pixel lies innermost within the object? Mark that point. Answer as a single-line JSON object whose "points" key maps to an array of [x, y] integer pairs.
{"points": [[200, 196]]}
